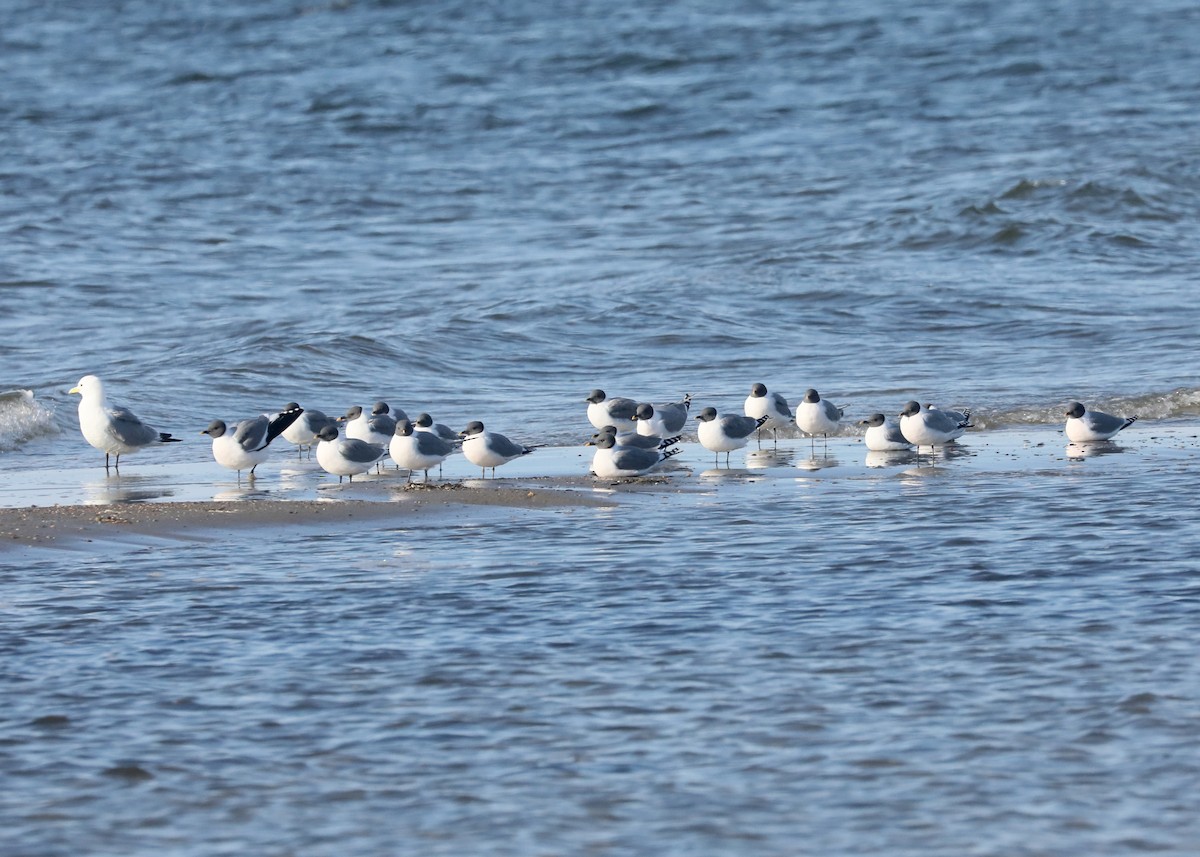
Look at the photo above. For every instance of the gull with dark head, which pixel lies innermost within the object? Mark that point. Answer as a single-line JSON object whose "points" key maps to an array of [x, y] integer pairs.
{"points": [[245, 446], [346, 456], [612, 461], [773, 406], [883, 435], [817, 416], [725, 433], [487, 449], [424, 422], [376, 427], [303, 432], [922, 426], [664, 419], [418, 450], [603, 411], [629, 438], [1084, 425]]}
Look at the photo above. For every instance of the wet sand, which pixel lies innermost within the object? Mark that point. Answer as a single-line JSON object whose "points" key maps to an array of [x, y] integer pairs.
{"points": [[199, 500], [60, 525]]}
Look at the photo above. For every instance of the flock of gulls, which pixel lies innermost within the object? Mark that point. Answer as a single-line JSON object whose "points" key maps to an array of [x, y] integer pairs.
{"points": [[631, 438]]}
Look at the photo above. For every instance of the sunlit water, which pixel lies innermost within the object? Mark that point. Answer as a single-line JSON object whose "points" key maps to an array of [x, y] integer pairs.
{"points": [[485, 212]]}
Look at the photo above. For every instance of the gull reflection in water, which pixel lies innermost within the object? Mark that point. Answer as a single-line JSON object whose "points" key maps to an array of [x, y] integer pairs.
{"points": [[1091, 449], [760, 459], [890, 457], [818, 462], [124, 489]]}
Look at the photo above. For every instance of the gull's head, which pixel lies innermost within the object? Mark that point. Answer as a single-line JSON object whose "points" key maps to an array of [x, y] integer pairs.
{"points": [[474, 427], [89, 385], [644, 411], [1075, 410], [758, 391], [811, 396], [596, 397], [352, 414], [215, 429], [404, 428], [607, 431], [873, 420], [602, 441], [424, 420], [707, 415], [329, 432], [910, 409]]}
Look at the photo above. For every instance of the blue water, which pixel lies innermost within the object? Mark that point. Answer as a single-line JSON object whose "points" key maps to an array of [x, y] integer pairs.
{"points": [[486, 210]]}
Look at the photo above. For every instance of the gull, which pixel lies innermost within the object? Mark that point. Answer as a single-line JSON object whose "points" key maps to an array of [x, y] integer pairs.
{"points": [[641, 441], [246, 445], [425, 423], [958, 416], [346, 456], [760, 403], [418, 450], [376, 427], [883, 435], [664, 419], [614, 461], [817, 416], [383, 408], [924, 427], [604, 411], [1084, 425], [487, 449], [112, 428], [725, 433], [303, 432]]}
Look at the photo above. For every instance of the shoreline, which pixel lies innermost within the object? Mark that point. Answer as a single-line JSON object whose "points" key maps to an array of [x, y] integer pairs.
{"points": [[60, 526], [61, 508]]}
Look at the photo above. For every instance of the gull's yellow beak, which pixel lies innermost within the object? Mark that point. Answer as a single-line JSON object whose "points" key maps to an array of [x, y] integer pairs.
{"points": [[75, 390]]}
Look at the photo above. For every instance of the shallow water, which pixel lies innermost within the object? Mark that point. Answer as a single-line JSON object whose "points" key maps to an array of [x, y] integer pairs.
{"points": [[979, 656], [485, 211]]}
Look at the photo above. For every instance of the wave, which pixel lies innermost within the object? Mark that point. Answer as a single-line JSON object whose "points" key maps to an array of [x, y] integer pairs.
{"points": [[23, 418], [1181, 403]]}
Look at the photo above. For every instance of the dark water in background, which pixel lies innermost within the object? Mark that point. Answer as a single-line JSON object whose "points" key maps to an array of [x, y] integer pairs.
{"points": [[485, 210]]}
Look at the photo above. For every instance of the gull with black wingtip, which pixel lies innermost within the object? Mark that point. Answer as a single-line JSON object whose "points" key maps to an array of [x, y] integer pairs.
{"points": [[113, 429], [245, 447]]}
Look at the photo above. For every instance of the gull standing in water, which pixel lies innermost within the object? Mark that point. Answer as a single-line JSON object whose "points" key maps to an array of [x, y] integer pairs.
{"points": [[641, 441], [347, 456], [924, 427], [817, 416], [603, 411], [487, 449], [1084, 425], [418, 450], [760, 403], [425, 423], [246, 446], [725, 433], [376, 427], [957, 416], [111, 428], [614, 462], [662, 420], [303, 432], [883, 435]]}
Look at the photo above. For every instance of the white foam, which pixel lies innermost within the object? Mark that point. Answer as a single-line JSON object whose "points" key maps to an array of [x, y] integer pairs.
{"points": [[22, 418]]}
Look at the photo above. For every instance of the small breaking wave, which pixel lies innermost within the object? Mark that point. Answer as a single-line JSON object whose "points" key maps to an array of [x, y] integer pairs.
{"points": [[23, 418], [1181, 403]]}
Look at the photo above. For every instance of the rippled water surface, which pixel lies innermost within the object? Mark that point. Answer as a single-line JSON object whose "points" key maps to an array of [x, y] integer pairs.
{"points": [[485, 210], [911, 663]]}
